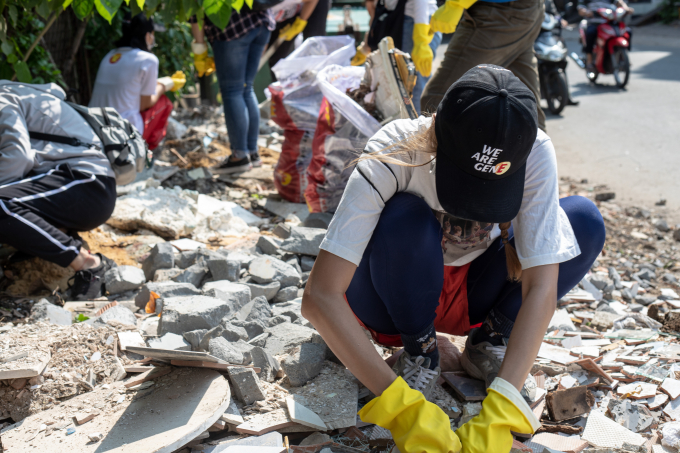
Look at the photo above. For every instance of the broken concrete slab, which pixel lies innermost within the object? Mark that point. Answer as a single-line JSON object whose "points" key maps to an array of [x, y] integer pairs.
{"points": [[186, 313], [604, 320], [45, 311], [272, 439], [224, 350], [226, 290], [269, 269], [170, 341], [246, 385], [268, 245], [306, 263], [569, 403], [302, 415], [144, 427], [634, 416], [286, 294], [165, 290], [268, 365], [286, 336], [232, 415], [227, 331], [259, 311], [162, 256], [304, 241], [225, 269], [123, 278], [304, 363], [254, 329], [194, 274], [118, 313], [194, 338], [129, 338], [150, 375], [265, 423], [268, 290]]}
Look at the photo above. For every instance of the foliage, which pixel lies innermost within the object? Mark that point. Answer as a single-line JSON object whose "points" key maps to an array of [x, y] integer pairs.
{"points": [[23, 29], [670, 11], [80, 318]]}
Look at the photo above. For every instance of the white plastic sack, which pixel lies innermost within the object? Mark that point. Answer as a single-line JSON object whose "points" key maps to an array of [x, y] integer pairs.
{"points": [[333, 81], [316, 53]]}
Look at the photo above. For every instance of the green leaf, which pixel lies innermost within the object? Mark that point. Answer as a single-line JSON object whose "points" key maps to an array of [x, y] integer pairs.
{"points": [[237, 5], [12, 58], [140, 3], [7, 48], [218, 11], [43, 9], [13, 14], [134, 9], [22, 71], [249, 3], [3, 28], [151, 4], [66, 3], [81, 317], [82, 8], [107, 8]]}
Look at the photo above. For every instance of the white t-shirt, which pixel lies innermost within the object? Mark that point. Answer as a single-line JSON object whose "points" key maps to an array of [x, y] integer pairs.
{"points": [[419, 10], [125, 74], [543, 234]]}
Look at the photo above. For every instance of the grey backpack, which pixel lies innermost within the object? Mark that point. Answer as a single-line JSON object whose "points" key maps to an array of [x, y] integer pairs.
{"points": [[123, 144]]}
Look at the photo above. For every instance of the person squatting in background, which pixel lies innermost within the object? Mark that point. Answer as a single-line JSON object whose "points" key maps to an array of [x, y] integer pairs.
{"points": [[237, 50], [50, 191], [411, 22], [482, 171], [499, 32], [127, 80]]}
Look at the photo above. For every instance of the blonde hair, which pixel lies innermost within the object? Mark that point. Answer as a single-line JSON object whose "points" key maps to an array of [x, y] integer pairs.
{"points": [[426, 143]]}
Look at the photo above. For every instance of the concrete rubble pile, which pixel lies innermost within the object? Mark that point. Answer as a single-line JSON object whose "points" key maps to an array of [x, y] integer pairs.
{"points": [[200, 343]]}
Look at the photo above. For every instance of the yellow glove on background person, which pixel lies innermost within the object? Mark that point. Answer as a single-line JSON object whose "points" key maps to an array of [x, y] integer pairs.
{"points": [[360, 57], [503, 410], [174, 82], [446, 18], [417, 426], [204, 64], [290, 31], [422, 54]]}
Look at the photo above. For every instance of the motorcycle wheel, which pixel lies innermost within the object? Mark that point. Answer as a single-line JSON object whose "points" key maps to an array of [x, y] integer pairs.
{"points": [[620, 67], [558, 92]]}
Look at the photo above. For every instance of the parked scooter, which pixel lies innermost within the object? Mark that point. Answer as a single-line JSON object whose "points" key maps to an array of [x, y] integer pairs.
{"points": [[610, 54], [551, 53]]}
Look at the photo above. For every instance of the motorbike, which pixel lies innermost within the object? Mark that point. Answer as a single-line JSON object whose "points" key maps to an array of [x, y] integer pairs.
{"points": [[610, 53], [551, 53]]}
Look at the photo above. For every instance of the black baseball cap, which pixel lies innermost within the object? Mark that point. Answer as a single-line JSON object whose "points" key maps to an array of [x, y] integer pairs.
{"points": [[486, 126]]}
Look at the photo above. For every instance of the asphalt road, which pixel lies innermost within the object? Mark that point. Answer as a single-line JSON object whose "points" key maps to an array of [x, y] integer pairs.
{"points": [[628, 139]]}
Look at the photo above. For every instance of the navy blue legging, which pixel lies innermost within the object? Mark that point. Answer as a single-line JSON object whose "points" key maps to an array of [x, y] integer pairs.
{"points": [[396, 287]]}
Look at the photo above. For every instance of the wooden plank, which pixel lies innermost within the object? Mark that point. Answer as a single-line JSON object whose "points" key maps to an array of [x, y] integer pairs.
{"points": [[83, 418], [468, 389], [591, 366], [150, 375], [211, 365], [137, 369]]}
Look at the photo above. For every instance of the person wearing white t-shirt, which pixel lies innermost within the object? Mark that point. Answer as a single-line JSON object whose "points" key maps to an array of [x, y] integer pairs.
{"points": [[446, 223], [127, 80]]}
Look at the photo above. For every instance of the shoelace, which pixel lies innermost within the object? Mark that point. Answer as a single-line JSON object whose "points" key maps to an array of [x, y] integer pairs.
{"points": [[424, 378], [416, 376], [498, 351]]}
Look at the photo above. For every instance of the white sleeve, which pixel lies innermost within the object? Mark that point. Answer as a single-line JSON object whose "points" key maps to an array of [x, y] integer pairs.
{"points": [[421, 11], [17, 158], [543, 234], [150, 76]]}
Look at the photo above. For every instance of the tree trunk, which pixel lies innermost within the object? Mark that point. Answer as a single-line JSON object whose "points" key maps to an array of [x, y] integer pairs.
{"points": [[77, 39]]}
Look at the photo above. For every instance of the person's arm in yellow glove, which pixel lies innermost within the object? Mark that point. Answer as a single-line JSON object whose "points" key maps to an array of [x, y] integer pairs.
{"points": [[446, 18], [503, 411], [174, 82], [290, 31], [422, 54], [416, 424], [362, 53], [204, 64]]}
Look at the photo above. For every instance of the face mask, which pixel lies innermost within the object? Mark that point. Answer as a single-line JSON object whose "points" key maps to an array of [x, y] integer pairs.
{"points": [[463, 235]]}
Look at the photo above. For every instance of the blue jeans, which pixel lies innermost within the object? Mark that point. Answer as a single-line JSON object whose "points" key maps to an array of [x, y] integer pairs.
{"points": [[236, 63], [396, 288], [407, 46]]}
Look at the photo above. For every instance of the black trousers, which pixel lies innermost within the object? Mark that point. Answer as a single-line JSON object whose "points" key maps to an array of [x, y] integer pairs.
{"points": [[35, 212]]}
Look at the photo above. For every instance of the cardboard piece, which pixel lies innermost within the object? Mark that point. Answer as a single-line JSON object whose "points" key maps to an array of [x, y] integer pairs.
{"points": [[569, 403], [467, 388]]}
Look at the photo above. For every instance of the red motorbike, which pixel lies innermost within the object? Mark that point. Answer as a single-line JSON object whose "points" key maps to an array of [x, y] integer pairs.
{"points": [[610, 54]]}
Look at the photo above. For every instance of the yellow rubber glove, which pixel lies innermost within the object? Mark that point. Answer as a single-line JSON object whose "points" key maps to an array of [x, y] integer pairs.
{"points": [[422, 54], [204, 64], [290, 31], [417, 426], [503, 410], [360, 57], [446, 18], [178, 80]]}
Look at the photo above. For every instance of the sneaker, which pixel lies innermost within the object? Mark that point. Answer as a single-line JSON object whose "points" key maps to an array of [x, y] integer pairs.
{"points": [[231, 165], [416, 373], [255, 160], [483, 360], [88, 284]]}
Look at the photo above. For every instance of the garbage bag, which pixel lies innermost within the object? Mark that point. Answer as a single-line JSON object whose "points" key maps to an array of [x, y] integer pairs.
{"points": [[342, 130], [295, 103]]}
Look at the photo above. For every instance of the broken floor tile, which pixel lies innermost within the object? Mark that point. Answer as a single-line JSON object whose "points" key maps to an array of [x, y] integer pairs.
{"points": [[633, 416], [671, 387], [556, 442], [603, 432], [637, 390]]}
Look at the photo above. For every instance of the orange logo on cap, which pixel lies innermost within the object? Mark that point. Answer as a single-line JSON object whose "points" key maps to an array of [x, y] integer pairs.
{"points": [[501, 168], [115, 57]]}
